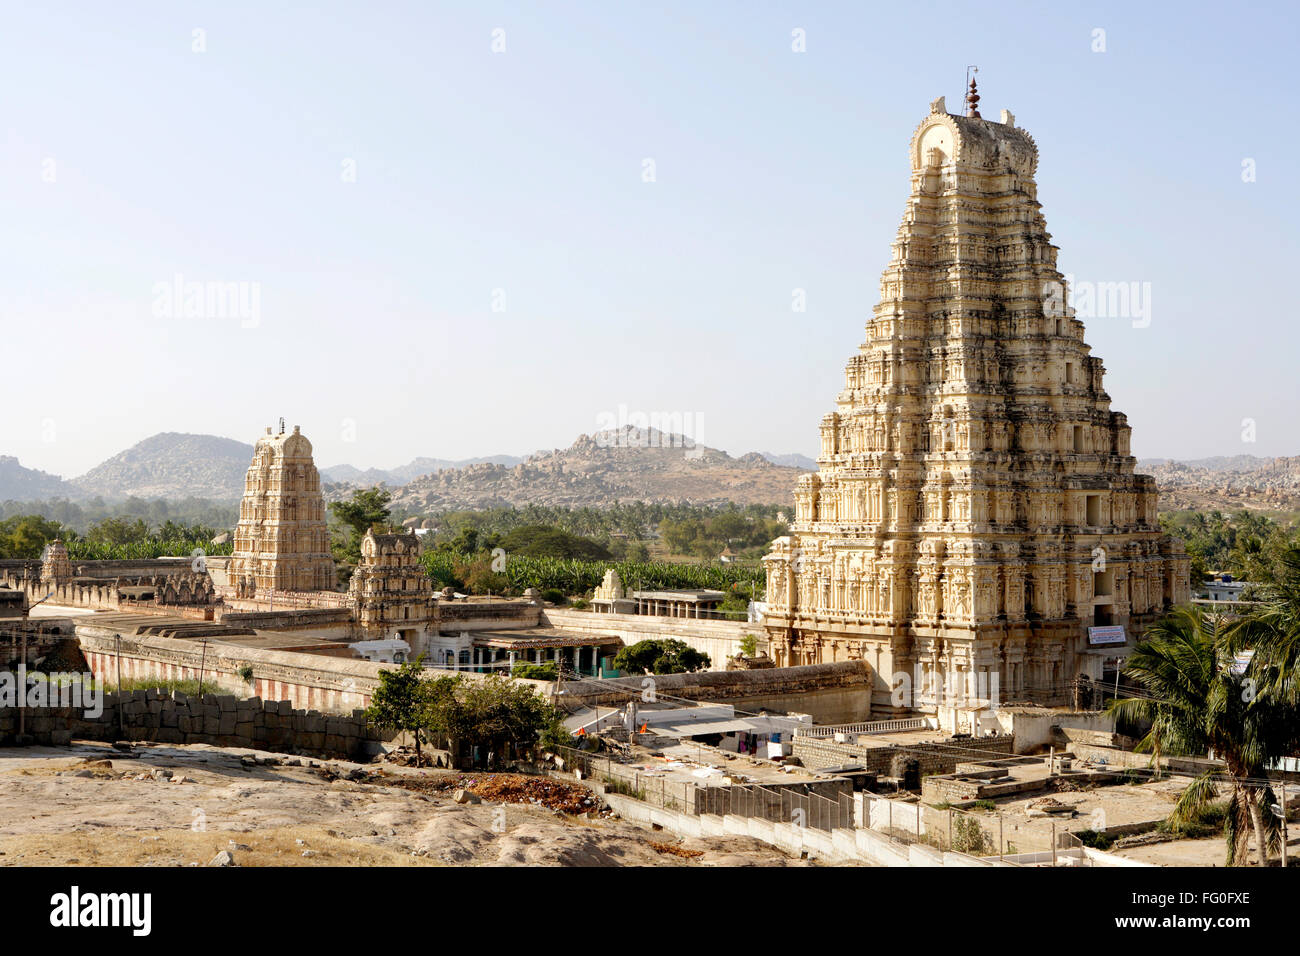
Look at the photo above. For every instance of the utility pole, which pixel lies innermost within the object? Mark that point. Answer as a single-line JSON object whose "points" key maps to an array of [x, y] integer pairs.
{"points": [[203, 657], [1281, 811], [121, 718]]}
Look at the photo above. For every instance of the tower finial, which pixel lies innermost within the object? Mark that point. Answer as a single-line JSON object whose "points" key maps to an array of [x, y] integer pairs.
{"points": [[972, 95]]}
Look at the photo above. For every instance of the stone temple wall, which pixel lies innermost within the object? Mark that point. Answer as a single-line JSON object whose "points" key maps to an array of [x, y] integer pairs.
{"points": [[218, 720]]}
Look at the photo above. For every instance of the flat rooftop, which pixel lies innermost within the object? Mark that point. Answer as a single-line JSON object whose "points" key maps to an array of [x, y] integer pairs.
{"points": [[535, 638]]}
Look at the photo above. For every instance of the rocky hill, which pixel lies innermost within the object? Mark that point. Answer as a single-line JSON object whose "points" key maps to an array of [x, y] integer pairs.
{"points": [[605, 469], [172, 465], [28, 484], [412, 469], [1228, 484]]}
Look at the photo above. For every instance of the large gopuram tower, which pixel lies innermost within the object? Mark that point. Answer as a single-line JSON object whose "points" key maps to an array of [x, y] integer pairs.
{"points": [[282, 541], [975, 511]]}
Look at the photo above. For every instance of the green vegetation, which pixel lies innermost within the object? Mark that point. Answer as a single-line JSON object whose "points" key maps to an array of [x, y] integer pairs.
{"points": [[1202, 821], [548, 671], [1248, 544], [574, 576], [402, 701], [629, 532], [1197, 699], [490, 713], [79, 516], [1095, 839], [186, 685], [969, 837], [564, 553], [367, 509], [746, 534], [660, 657], [542, 541], [25, 536]]}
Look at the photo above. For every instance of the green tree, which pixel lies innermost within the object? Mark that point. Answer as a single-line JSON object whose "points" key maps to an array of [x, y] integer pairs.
{"points": [[656, 656], [492, 713], [118, 531], [367, 507], [543, 541], [1270, 630], [25, 536], [403, 701], [1197, 699]]}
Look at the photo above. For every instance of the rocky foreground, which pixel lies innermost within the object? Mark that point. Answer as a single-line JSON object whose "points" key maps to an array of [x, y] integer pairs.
{"points": [[195, 805]]}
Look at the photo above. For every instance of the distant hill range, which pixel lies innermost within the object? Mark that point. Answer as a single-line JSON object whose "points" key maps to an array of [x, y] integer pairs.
{"points": [[607, 468], [27, 484], [802, 462], [171, 465], [413, 469], [598, 470], [1226, 483]]}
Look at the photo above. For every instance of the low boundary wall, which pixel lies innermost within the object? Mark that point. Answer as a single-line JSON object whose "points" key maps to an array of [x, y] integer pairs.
{"points": [[218, 720]]}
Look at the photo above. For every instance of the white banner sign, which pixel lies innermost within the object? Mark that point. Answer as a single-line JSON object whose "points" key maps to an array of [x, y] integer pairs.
{"points": [[1110, 634]]}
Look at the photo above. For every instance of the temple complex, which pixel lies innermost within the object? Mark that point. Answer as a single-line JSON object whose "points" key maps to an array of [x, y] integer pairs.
{"points": [[282, 540], [975, 531]]}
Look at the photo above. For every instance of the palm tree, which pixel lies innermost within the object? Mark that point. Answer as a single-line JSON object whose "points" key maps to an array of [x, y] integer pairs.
{"points": [[1198, 701], [1271, 630]]}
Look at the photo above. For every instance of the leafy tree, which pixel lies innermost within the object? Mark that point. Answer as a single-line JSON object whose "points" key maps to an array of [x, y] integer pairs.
{"points": [[118, 531], [660, 656], [367, 508], [26, 536], [548, 671], [1271, 630], [541, 541], [1197, 700], [492, 713], [403, 701]]}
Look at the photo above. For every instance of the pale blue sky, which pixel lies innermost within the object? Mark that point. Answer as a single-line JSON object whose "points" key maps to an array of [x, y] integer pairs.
{"points": [[522, 171]]}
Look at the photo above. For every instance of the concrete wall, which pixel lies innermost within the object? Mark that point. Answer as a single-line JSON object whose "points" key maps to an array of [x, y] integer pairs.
{"points": [[831, 693], [719, 639], [844, 845], [218, 720], [1034, 728], [937, 757]]}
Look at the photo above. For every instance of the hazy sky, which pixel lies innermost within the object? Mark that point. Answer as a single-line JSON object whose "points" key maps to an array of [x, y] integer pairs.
{"points": [[453, 251]]}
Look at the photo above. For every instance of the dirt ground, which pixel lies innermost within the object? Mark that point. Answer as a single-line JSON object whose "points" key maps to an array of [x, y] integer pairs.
{"points": [[84, 806]]}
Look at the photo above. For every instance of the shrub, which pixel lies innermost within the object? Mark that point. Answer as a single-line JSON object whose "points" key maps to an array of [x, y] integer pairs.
{"points": [[969, 837], [547, 671]]}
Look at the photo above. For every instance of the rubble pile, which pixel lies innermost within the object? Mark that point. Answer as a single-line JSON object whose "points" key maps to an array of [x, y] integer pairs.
{"points": [[672, 849], [566, 798]]}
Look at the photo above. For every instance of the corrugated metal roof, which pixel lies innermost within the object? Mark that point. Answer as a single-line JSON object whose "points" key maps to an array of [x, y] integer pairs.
{"points": [[698, 728]]}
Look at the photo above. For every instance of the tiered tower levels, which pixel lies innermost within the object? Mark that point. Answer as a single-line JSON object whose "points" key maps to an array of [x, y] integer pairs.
{"points": [[282, 540], [976, 507]]}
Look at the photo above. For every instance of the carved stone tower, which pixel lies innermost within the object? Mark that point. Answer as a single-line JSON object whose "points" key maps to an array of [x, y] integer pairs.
{"points": [[282, 541], [391, 591], [56, 567], [976, 509]]}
